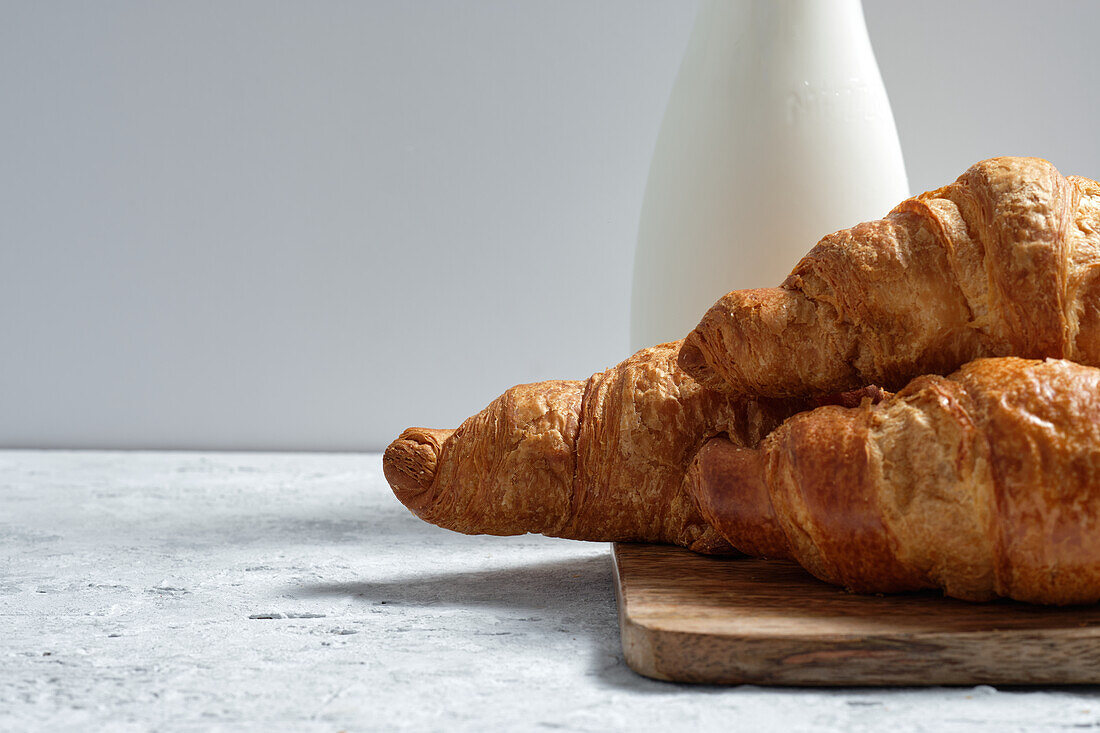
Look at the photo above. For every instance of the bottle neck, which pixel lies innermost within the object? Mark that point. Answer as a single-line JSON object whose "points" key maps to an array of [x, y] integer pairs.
{"points": [[811, 13], [815, 25]]}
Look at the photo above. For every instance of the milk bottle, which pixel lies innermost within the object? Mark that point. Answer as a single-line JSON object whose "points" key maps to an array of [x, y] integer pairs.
{"points": [[778, 132]]}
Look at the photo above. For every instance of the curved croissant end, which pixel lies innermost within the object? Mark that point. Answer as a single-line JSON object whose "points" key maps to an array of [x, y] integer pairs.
{"points": [[1005, 261], [409, 464]]}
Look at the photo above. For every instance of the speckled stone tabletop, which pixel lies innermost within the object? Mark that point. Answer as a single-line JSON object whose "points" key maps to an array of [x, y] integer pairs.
{"points": [[232, 591]]}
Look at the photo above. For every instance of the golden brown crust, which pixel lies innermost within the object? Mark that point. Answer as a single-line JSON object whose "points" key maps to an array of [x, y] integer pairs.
{"points": [[644, 419], [1005, 261], [506, 470], [736, 501], [1083, 282], [1041, 421], [603, 459], [985, 483], [830, 529], [409, 464]]}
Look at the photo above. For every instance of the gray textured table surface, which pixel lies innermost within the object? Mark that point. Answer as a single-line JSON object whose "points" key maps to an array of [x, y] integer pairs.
{"points": [[184, 591]]}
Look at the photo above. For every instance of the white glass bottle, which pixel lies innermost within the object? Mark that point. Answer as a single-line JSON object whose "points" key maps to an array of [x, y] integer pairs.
{"points": [[778, 132]]}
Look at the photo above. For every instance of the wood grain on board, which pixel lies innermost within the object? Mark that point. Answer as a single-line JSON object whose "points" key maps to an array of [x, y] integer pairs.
{"points": [[693, 618]]}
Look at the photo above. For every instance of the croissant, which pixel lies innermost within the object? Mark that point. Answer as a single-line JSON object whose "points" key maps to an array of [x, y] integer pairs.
{"points": [[985, 483], [1003, 262], [603, 459]]}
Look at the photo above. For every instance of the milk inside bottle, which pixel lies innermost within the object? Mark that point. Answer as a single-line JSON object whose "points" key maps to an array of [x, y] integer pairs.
{"points": [[778, 132]]}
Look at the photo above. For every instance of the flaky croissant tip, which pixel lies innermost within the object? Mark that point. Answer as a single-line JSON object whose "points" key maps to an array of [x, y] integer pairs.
{"points": [[409, 464], [690, 358]]}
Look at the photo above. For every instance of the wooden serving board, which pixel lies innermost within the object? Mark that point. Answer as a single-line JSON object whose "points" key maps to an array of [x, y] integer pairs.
{"points": [[692, 618]]}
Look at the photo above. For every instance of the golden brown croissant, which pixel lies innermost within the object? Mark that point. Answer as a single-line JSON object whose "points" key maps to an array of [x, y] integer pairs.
{"points": [[1003, 262], [985, 483], [604, 459]]}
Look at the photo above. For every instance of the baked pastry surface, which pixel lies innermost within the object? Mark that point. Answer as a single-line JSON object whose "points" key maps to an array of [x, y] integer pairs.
{"points": [[1005, 261]]}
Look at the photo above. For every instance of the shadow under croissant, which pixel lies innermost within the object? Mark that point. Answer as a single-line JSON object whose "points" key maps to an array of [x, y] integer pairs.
{"points": [[573, 597]]}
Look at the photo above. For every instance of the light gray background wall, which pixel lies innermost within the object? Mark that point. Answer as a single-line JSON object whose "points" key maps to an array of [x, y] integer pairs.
{"points": [[309, 225]]}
